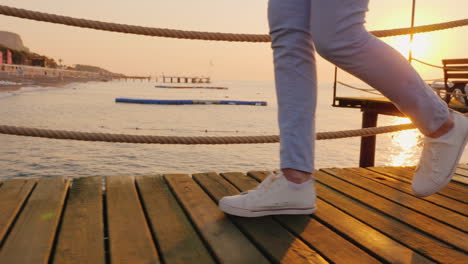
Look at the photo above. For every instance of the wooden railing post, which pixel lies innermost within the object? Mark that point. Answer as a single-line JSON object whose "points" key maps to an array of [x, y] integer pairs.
{"points": [[367, 156]]}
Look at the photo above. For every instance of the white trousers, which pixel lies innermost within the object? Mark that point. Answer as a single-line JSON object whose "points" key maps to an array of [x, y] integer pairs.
{"points": [[335, 28]]}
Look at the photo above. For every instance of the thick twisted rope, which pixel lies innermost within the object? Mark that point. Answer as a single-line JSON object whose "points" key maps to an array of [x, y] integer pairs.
{"points": [[171, 33], [371, 91], [428, 64], [130, 29], [181, 34], [440, 67], [141, 139], [419, 29]]}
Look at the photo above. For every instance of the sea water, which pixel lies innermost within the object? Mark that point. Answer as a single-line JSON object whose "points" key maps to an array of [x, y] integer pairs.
{"points": [[91, 107]]}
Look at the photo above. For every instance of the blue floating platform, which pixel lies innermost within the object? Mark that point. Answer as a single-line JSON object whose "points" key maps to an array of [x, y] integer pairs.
{"points": [[181, 102]]}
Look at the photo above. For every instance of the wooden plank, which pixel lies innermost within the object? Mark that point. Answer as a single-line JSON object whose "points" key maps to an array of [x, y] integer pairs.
{"points": [[462, 172], [426, 224], [463, 166], [422, 243], [81, 238], [443, 215], [280, 246], [455, 61], [227, 243], [311, 231], [451, 190], [32, 236], [456, 75], [12, 197], [129, 235], [456, 68], [380, 105], [177, 239], [438, 199], [461, 175], [460, 179], [382, 246]]}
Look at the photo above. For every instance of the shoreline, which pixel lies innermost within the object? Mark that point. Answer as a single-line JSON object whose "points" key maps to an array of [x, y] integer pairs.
{"points": [[18, 82]]}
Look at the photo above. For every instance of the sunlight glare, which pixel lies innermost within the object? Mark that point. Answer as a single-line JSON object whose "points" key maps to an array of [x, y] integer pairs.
{"points": [[421, 45], [404, 144]]}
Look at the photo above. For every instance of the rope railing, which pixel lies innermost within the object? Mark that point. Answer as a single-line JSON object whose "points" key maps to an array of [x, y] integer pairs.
{"points": [[428, 64], [199, 35], [371, 91], [440, 67], [151, 139]]}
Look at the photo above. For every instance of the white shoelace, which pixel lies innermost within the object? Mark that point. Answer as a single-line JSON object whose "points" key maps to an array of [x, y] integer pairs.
{"points": [[265, 184]]}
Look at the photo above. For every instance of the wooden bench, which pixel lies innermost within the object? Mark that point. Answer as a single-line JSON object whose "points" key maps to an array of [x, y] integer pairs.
{"points": [[456, 72]]}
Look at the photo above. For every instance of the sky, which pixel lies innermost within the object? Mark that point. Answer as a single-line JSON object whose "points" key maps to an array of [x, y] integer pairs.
{"points": [[142, 55]]}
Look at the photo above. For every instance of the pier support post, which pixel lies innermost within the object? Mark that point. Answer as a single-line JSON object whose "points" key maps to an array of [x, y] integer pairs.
{"points": [[367, 157]]}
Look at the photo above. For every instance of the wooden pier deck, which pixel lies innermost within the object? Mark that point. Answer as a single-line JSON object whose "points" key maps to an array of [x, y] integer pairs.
{"points": [[366, 215]]}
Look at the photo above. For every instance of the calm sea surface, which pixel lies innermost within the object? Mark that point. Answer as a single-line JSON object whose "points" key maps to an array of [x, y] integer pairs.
{"points": [[91, 107]]}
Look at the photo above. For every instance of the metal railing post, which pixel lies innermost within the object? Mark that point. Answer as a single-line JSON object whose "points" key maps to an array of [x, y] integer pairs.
{"points": [[413, 14], [334, 86]]}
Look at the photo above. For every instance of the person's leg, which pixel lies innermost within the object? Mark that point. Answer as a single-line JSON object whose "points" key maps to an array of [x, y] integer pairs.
{"points": [[290, 191], [296, 85], [342, 39]]}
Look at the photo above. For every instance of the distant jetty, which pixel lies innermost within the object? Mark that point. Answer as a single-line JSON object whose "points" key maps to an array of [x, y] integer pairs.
{"points": [[182, 102], [191, 87], [185, 79]]}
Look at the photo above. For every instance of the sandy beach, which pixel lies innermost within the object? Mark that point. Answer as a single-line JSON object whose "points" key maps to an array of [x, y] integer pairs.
{"points": [[10, 82]]}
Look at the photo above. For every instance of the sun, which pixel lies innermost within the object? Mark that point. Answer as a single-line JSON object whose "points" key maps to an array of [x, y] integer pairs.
{"points": [[420, 46]]}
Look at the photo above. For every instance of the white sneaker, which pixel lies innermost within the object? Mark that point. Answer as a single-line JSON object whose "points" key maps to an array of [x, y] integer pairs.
{"points": [[439, 158], [272, 197]]}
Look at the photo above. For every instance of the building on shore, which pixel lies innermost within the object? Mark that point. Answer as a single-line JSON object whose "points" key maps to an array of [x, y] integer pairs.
{"points": [[37, 71]]}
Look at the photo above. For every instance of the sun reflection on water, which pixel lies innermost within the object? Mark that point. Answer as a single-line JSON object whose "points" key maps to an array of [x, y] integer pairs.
{"points": [[405, 147]]}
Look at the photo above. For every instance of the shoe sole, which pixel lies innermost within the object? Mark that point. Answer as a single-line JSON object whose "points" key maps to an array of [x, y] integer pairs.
{"points": [[256, 213], [450, 176]]}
